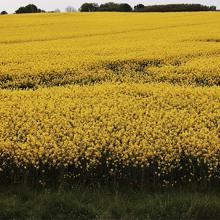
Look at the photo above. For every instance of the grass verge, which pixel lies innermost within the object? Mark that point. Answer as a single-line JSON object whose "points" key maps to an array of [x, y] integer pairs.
{"points": [[21, 202]]}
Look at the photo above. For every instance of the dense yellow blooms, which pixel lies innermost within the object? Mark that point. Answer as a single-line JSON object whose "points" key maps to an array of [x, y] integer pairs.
{"points": [[141, 92], [128, 124], [78, 48]]}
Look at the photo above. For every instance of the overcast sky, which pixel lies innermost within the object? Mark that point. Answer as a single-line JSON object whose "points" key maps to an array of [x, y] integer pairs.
{"points": [[12, 5]]}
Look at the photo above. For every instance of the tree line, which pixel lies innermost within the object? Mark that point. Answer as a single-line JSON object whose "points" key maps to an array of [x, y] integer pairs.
{"points": [[110, 6], [123, 7], [174, 8]]}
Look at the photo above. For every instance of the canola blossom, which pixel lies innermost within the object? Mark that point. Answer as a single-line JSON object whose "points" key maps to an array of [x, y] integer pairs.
{"points": [[129, 96], [86, 48], [116, 126]]}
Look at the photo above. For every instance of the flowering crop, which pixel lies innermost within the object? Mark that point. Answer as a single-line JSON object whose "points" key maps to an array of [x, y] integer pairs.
{"points": [[116, 95], [60, 49], [116, 126]]}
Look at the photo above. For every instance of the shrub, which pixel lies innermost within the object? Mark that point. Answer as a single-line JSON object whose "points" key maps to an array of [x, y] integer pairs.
{"points": [[4, 13]]}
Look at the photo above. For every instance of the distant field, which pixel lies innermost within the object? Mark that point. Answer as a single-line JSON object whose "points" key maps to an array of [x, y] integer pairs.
{"points": [[81, 48], [122, 96]]}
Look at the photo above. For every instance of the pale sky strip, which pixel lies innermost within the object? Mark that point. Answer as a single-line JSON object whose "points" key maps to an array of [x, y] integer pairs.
{"points": [[12, 5]]}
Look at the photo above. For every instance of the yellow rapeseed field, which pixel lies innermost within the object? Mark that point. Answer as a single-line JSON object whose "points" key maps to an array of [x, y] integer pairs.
{"points": [[110, 95], [81, 48]]}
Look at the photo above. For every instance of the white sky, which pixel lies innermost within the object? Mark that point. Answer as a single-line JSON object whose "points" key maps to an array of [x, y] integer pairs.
{"points": [[12, 5]]}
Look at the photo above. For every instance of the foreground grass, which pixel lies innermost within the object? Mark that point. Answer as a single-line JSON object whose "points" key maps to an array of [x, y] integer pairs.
{"points": [[26, 203]]}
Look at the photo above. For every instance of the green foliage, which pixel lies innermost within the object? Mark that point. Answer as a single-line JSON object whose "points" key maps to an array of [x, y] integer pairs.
{"points": [[110, 6], [174, 8], [29, 9], [4, 13], [139, 7], [89, 7], [106, 203]]}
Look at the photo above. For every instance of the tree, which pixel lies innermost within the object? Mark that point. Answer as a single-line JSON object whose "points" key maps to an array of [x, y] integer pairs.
{"points": [[111, 6], [29, 9], [125, 7], [174, 8], [70, 9], [213, 8], [89, 7], [4, 13], [139, 7]]}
